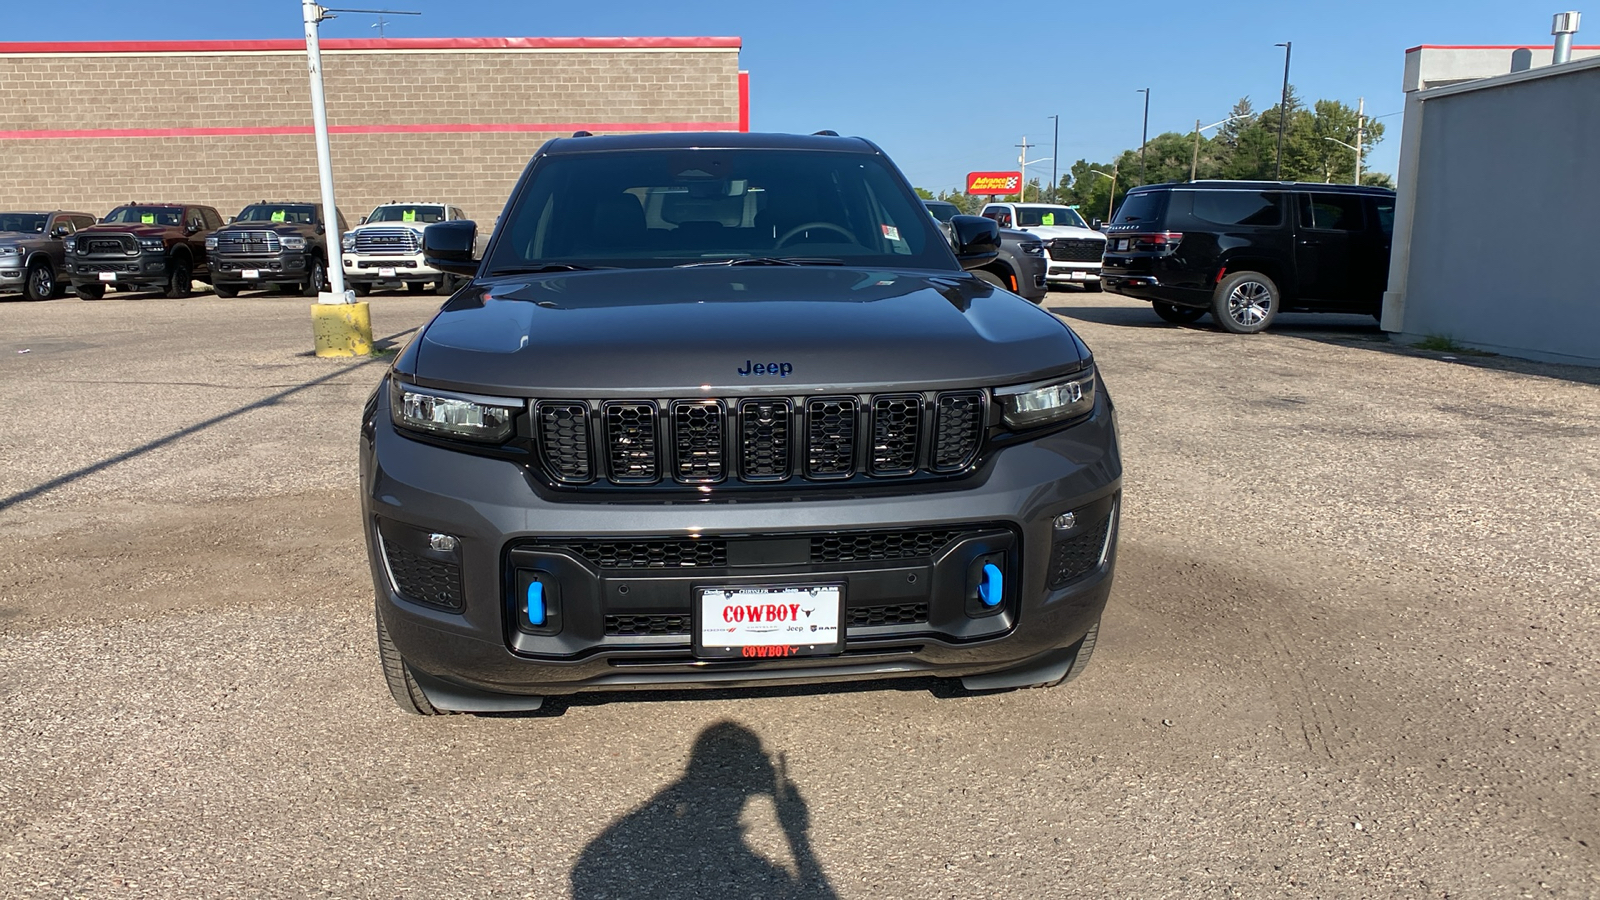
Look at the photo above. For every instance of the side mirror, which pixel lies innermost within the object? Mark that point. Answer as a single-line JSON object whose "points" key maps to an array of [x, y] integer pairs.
{"points": [[191, 228], [362, 221], [228, 220], [60, 231], [449, 246], [321, 228], [975, 239], [1094, 224]]}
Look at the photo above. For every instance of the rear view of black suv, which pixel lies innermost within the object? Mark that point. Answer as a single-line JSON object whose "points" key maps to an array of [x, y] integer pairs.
{"points": [[1245, 251]]}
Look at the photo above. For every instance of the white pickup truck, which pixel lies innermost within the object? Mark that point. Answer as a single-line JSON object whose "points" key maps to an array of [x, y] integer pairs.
{"points": [[1075, 250], [385, 250]]}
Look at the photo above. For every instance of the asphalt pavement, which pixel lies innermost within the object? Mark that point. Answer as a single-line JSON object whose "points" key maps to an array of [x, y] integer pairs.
{"points": [[1350, 652]]}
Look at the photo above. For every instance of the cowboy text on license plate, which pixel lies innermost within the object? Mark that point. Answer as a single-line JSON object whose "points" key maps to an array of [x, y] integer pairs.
{"points": [[769, 622]]}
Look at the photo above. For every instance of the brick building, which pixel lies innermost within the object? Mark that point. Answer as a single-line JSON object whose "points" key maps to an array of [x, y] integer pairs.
{"points": [[226, 123]]}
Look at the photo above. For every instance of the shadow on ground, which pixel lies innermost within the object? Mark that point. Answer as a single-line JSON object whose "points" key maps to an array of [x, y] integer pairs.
{"points": [[690, 840]]}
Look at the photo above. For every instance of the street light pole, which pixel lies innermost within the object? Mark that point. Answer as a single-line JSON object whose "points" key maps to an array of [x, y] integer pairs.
{"points": [[1113, 176], [1022, 167], [1361, 121], [1144, 137], [1194, 164], [314, 15], [1055, 147], [1283, 105]]}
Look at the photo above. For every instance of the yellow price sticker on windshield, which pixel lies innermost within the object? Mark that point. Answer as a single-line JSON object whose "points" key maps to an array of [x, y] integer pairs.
{"points": [[147, 218], [1047, 219], [280, 215], [409, 215]]}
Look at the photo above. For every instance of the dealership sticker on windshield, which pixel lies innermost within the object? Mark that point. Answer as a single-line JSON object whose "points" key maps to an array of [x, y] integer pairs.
{"points": [[751, 622], [891, 232]]}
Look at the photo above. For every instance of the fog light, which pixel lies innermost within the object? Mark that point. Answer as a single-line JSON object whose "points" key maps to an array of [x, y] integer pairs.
{"points": [[444, 543], [1066, 521]]}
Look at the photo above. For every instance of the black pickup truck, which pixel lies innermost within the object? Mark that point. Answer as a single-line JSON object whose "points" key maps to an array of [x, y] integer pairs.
{"points": [[280, 244]]}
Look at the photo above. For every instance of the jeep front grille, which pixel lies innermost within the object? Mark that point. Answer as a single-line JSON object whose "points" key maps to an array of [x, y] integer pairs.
{"points": [[758, 440], [1085, 250], [386, 241], [244, 243]]}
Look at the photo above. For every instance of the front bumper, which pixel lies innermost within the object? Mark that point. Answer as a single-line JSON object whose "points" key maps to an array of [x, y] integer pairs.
{"points": [[1072, 273], [504, 522], [278, 268], [146, 270], [359, 269], [13, 274]]}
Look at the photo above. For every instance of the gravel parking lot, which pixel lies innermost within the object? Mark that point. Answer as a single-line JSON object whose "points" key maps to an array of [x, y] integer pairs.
{"points": [[1351, 652]]}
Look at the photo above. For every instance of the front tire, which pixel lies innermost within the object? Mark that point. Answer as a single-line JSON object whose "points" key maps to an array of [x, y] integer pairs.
{"points": [[91, 291], [407, 693], [362, 289], [225, 291], [317, 279], [989, 277], [1245, 303], [180, 283], [1079, 662], [41, 283], [1093, 287], [416, 287], [1177, 315], [445, 286]]}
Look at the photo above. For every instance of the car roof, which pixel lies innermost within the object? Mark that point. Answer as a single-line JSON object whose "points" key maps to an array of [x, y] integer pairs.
{"points": [[1222, 185], [707, 140], [42, 212]]}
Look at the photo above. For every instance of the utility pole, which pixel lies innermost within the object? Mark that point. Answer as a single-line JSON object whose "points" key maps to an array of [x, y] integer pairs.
{"points": [[1055, 154], [1194, 163], [1283, 105], [314, 14], [1022, 166], [1361, 121], [1144, 136]]}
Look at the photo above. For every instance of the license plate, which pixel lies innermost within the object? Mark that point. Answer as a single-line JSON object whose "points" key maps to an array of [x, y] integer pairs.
{"points": [[1120, 244], [251, 273], [1078, 276], [385, 273], [108, 276], [769, 622]]}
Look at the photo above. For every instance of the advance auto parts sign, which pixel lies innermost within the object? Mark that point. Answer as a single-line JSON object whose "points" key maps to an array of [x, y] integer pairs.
{"points": [[994, 182]]}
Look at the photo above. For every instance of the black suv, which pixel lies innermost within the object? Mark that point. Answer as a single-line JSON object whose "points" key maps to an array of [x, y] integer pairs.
{"points": [[1246, 250], [725, 409], [142, 246], [280, 244], [1021, 265]]}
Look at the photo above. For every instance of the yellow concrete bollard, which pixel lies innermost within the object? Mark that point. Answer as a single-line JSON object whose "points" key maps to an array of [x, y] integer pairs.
{"points": [[342, 329]]}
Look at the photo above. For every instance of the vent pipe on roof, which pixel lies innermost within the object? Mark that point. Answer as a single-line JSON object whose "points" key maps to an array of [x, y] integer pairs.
{"points": [[1564, 27]]}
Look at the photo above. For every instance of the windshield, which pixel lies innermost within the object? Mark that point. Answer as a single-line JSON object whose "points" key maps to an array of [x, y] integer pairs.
{"points": [[27, 223], [297, 213], [146, 215], [944, 212], [423, 214], [650, 208], [1036, 216]]}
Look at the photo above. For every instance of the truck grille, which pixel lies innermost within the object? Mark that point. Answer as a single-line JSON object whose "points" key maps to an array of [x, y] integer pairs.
{"points": [[242, 243], [107, 245], [386, 241], [711, 441], [1076, 250]]}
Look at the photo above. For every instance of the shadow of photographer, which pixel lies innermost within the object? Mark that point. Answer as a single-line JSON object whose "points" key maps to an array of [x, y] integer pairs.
{"points": [[691, 839]]}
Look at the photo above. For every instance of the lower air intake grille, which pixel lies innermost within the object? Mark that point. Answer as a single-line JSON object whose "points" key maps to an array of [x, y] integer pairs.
{"points": [[631, 442], [1076, 556], [877, 545], [898, 614], [831, 437], [958, 429], [647, 625], [662, 554], [424, 580]]}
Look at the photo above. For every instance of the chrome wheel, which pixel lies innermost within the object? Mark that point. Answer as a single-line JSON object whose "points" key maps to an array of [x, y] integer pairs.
{"points": [[1250, 303], [41, 283]]}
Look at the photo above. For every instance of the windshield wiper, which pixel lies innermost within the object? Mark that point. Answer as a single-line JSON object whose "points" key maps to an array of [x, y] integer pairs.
{"points": [[765, 261], [548, 267]]}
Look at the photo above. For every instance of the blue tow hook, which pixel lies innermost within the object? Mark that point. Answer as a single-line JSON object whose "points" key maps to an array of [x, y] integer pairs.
{"points": [[535, 604], [993, 588]]}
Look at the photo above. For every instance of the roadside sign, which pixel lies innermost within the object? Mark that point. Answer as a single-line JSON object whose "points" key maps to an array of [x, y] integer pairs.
{"points": [[994, 183]]}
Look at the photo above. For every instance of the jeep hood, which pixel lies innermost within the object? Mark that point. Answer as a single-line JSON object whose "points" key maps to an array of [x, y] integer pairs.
{"points": [[682, 332]]}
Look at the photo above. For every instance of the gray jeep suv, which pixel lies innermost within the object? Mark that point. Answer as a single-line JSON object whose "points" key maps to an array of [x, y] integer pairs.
{"points": [[726, 409]]}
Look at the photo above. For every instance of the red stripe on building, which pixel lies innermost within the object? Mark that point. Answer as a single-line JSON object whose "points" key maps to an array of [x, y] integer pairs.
{"points": [[480, 43], [744, 101], [424, 128]]}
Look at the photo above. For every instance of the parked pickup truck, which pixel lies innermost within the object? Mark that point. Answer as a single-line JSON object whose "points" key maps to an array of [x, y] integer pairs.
{"points": [[31, 251], [142, 246], [385, 250], [281, 244]]}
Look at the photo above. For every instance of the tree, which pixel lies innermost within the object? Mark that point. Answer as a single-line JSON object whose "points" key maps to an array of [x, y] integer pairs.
{"points": [[924, 193]]}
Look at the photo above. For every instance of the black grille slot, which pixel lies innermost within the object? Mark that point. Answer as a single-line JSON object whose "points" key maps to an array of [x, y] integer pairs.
{"points": [[1076, 250], [424, 580], [564, 441], [895, 614], [697, 439], [1076, 556], [647, 625], [764, 439], [631, 442], [896, 431], [831, 437], [662, 554], [958, 430], [108, 244], [876, 545]]}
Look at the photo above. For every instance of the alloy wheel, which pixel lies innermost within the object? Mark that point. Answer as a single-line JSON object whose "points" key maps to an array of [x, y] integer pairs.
{"points": [[1249, 303]]}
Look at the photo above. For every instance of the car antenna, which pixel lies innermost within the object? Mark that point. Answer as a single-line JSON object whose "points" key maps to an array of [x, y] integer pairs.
{"points": [[826, 132]]}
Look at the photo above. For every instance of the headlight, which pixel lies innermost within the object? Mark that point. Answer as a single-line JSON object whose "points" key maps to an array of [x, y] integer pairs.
{"points": [[294, 242], [348, 242], [1031, 248], [7, 251], [152, 244], [1032, 405], [211, 243], [70, 244], [452, 415]]}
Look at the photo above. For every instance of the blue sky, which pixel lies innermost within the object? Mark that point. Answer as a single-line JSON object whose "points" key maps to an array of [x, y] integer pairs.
{"points": [[944, 87]]}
